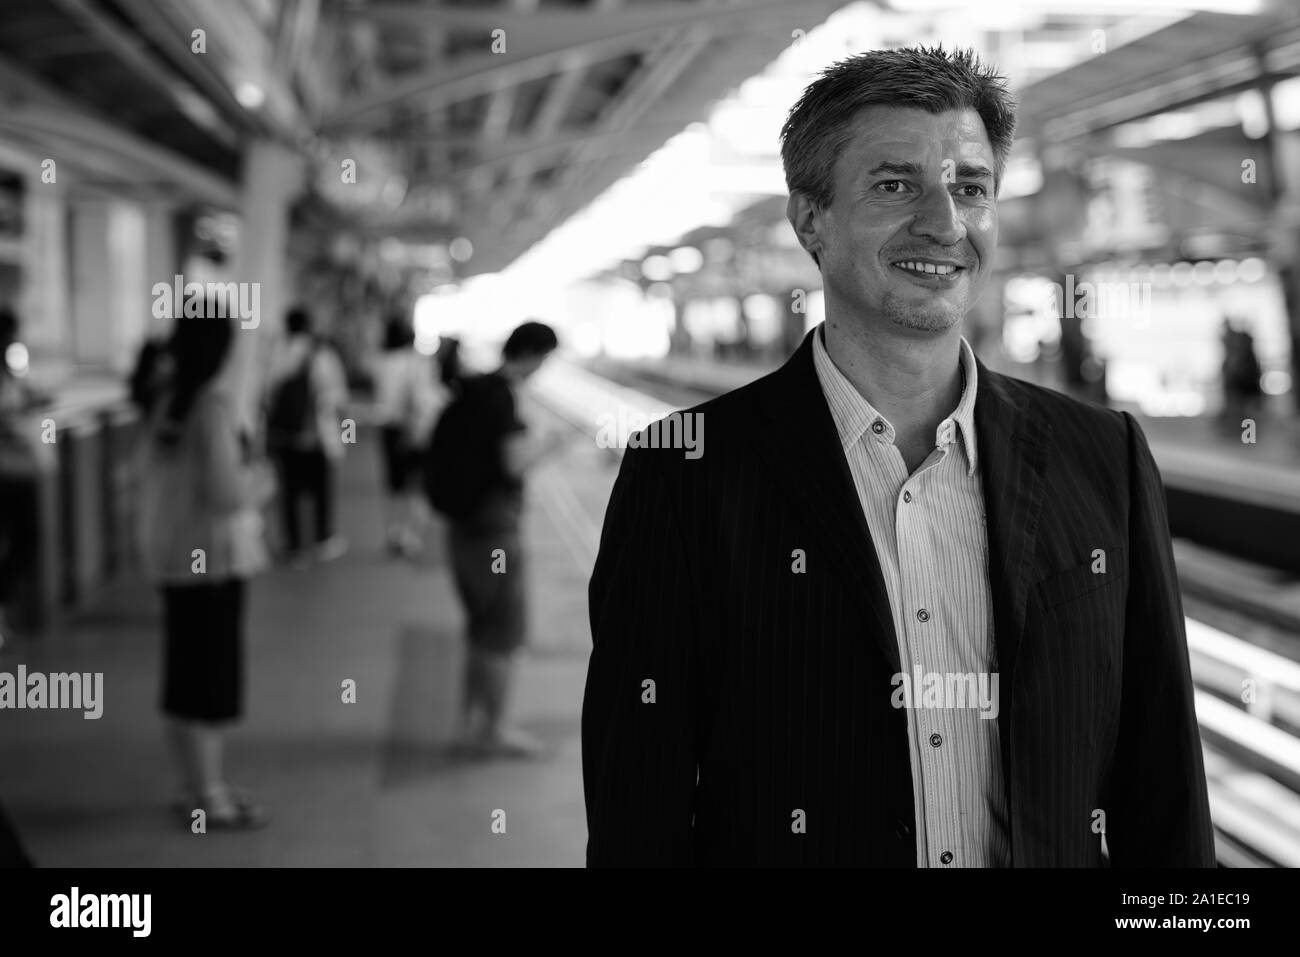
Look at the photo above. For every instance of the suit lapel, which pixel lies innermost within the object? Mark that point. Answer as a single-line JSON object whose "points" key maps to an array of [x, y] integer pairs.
{"points": [[1014, 447], [798, 440]]}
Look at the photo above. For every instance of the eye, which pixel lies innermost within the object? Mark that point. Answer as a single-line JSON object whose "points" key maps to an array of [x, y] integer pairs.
{"points": [[890, 182], [975, 186]]}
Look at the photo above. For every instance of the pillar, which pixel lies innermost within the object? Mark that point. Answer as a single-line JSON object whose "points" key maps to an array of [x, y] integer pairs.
{"points": [[272, 178], [161, 256], [43, 305]]}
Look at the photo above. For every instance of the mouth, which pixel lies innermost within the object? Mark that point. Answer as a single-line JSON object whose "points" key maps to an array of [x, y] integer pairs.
{"points": [[930, 272]]}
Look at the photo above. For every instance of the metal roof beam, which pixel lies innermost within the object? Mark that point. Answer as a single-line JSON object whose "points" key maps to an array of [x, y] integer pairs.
{"points": [[129, 50], [544, 41], [52, 118]]}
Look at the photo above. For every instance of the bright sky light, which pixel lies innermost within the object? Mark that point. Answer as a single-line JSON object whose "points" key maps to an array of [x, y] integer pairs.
{"points": [[714, 168]]}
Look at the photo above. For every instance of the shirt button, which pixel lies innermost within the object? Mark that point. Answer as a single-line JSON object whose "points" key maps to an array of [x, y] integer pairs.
{"points": [[922, 615], [877, 426], [907, 496], [946, 857], [936, 739]]}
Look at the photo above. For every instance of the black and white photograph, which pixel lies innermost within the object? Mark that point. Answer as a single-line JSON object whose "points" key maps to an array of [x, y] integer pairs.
{"points": [[632, 434]]}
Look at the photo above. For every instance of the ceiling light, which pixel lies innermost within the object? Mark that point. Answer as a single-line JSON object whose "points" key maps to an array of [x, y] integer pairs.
{"points": [[250, 95]]}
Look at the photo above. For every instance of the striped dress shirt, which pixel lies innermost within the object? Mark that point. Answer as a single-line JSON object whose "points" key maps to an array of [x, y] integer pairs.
{"points": [[930, 537]]}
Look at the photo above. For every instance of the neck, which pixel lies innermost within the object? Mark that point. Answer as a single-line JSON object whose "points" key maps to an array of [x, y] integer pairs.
{"points": [[914, 382]]}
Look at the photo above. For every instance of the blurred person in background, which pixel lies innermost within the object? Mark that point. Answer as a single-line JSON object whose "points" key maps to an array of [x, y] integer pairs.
{"points": [[1242, 391], [201, 540], [474, 476], [449, 367], [148, 375], [407, 399], [308, 388], [24, 457]]}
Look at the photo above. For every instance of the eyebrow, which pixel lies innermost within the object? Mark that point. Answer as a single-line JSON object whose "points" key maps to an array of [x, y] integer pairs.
{"points": [[898, 169], [973, 171], [964, 170]]}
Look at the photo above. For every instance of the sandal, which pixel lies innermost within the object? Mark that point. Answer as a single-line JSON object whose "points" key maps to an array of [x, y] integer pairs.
{"points": [[232, 810]]}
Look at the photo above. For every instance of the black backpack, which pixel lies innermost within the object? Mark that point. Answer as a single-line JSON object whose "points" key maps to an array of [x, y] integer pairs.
{"points": [[461, 467], [290, 418]]}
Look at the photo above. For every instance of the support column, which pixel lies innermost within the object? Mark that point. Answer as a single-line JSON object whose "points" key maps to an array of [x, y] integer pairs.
{"points": [[272, 178], [1284, 186], [43, 307], [161, 256], [90, 277]]}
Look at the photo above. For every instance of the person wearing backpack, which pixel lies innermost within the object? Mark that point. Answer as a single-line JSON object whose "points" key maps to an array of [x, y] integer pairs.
{"points": [[474, 474], [304, 435]]}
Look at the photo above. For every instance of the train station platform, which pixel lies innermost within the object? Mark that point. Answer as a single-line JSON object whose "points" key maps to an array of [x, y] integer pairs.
{"points": [[364, 784]]}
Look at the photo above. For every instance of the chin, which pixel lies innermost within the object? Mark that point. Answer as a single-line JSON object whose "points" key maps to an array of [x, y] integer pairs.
{"points": [[927, 323], [935, 318]]}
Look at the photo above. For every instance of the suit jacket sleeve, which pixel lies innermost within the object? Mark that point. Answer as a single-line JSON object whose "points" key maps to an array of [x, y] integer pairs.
{"points": [[1158, 811], [638, 738]]}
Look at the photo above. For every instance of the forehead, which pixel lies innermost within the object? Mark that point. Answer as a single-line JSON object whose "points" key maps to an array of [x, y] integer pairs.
{"points": [[904, 134]]}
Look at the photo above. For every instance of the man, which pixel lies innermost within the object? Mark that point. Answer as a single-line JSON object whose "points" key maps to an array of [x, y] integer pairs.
{"points": [[480, 452], [905, 612], [305, 436]]}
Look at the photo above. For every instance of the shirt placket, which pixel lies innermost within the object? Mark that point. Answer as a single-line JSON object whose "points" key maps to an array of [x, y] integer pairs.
{"points": [[931, 727], [884, 460]]}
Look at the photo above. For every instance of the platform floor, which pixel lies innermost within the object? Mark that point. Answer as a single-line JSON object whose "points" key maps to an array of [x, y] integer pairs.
{"points": [[370, 783], [365, 784]]}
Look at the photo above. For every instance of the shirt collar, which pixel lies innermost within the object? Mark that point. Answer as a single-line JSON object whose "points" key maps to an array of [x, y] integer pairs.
{"points": [[855, 417]]}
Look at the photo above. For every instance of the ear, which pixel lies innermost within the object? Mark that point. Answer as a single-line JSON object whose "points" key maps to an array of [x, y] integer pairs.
{"points": [[806, 219]]}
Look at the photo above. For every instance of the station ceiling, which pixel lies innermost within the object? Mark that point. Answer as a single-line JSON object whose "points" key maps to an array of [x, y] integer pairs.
{"points": [[488, 120]]}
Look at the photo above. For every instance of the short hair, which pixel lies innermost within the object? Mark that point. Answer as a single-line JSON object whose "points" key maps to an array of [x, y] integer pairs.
{"points": [[820, 125], [199, 346], [529, 340], [8, 327], [298, 320], [398, 332]]}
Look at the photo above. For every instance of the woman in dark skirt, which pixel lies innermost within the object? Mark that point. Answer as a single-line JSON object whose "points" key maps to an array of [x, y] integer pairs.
{"points": [[201, 542]]}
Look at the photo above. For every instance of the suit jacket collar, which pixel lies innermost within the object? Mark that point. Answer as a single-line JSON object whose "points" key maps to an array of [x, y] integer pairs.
{"points": [[802, 447], [853, 413]]}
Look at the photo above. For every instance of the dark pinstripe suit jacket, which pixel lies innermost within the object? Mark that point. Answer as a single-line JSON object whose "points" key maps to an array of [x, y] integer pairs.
{"points": [[772, 689]]}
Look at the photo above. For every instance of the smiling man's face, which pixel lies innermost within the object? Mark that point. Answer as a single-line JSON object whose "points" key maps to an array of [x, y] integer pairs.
{"points": [[908, 238]]}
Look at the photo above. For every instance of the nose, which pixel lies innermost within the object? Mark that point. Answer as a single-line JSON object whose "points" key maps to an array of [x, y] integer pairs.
{"points": [[937, 218]]}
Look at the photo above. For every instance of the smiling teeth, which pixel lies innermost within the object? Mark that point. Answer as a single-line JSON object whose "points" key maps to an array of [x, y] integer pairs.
{"points": [[927, 267]]}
